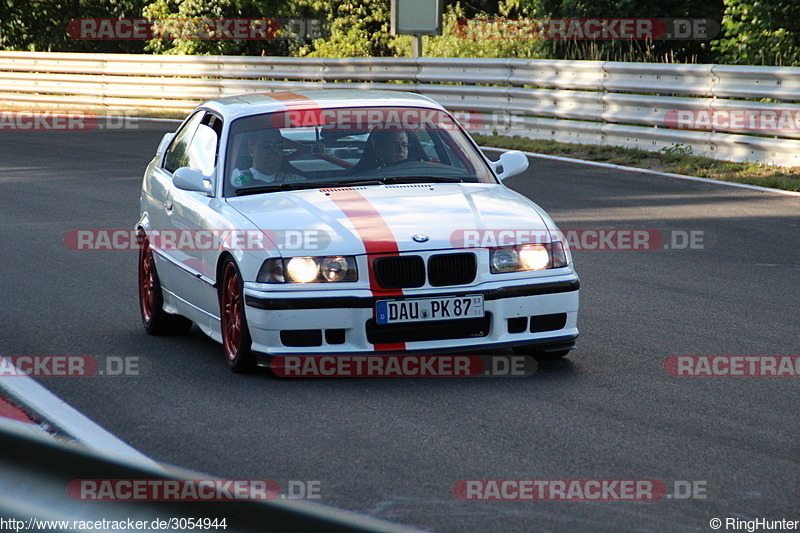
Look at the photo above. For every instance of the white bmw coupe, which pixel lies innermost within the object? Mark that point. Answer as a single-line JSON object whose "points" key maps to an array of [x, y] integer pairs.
{"points": [[346, 222]]}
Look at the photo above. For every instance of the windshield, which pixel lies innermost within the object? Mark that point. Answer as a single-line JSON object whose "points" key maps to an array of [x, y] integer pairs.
{"points": [[309, 148]]}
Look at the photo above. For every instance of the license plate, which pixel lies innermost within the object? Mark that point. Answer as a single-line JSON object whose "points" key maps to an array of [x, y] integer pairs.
{"points": [[424, 309]]}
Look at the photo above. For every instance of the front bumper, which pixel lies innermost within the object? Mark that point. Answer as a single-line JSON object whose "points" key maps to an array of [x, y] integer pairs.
{"points": [[544, 313]]}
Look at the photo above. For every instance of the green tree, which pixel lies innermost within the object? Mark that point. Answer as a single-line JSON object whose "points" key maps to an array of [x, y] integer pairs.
{"points": [[362, 28], [356, 28], [486, 35], [766, 32], [41, 25], [697, 51], [176, 13]]}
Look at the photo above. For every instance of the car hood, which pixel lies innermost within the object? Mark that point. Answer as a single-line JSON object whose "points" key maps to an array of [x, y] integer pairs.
{"points": [[384, 218]]}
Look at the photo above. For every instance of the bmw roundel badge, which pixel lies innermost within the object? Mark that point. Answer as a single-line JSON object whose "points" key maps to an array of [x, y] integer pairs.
{"points": [[419, 237]]}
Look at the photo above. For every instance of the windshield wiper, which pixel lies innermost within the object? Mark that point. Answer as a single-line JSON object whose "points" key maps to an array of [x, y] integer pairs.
{"points": [[292, 186], [423, 179], [389, 180]]}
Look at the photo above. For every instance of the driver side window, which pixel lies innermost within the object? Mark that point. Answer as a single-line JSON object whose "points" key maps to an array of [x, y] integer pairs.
{"points": [[178, 152], [196, 144], [202, 150]]}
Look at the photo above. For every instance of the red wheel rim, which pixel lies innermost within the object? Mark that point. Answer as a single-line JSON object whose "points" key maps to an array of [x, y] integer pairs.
{"points": [[232, 311], [146, 281]]}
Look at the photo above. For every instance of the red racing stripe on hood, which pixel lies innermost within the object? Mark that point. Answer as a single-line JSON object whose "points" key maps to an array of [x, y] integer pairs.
{"points": [[376, 235]]}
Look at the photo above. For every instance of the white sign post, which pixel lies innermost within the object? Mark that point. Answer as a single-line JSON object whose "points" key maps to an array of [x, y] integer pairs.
{"points": [[417, 18]]}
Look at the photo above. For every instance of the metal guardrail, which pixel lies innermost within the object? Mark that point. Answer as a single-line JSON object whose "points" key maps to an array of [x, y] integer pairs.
{"points": [[36, 472], [597, 102]]}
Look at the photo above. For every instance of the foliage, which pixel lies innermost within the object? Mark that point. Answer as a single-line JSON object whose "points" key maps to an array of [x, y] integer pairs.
{"points": [[490, 38], [361, 28], [766, 32], [681, 51], [177, 11], [760, 33], [676, 152], [41, 25], [357, 28]]}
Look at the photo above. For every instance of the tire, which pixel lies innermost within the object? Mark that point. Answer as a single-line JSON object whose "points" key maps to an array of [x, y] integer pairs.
{"points": [[236, 341], [155, 320], [539, 355]]}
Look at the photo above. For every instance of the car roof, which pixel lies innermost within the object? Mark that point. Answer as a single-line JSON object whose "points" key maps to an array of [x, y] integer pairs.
{"points": [[256, 103]]}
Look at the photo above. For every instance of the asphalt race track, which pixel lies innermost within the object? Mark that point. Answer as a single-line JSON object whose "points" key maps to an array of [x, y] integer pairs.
{"points": [[394, 448]]}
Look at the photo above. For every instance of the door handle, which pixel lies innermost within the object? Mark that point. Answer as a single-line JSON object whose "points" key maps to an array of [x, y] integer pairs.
{"points": [[168, 205]]}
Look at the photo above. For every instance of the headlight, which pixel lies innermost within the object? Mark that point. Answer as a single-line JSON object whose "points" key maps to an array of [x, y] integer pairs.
{"points": [[308, 270], [505, 260], [526, 257], [302, 269], [334, 268], [535, 257]]}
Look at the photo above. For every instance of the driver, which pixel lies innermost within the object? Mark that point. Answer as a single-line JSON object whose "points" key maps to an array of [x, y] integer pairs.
{"points": [[384, 148], [390, 146], [269, 163]]}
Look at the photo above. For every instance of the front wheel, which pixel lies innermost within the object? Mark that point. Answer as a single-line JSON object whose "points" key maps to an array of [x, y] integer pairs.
{"points": [[155, 320], [236, 339]]}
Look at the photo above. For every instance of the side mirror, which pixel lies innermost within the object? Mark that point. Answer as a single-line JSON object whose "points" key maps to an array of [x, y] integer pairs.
{"points": [[165, 140], [192, 179], [513, 162]]}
